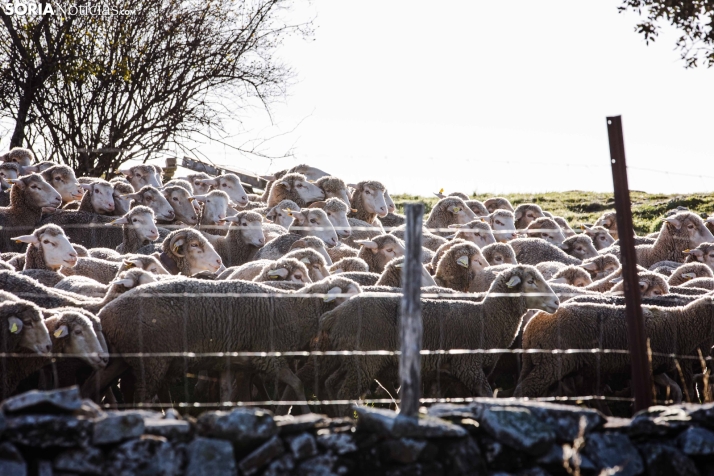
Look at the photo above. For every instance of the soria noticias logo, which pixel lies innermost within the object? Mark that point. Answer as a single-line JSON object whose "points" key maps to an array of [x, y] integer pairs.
{"points": [[33, 8]]}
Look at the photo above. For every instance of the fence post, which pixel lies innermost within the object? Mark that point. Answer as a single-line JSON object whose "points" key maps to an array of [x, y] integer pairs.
{"points": [[641, 373], [410, 317]]}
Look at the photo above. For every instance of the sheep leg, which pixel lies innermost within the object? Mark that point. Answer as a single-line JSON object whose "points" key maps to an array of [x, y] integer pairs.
{"points": [[675, 392], [473, 377], [100, 380], [541, 377], [148, 381], [289, 378]]}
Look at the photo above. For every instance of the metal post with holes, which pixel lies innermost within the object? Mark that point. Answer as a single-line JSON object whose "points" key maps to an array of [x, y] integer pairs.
{"points": [[641, 371], [410, 317]]}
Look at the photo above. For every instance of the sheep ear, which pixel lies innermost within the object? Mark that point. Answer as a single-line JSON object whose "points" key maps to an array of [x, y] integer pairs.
{"points": [[559, 281], [86, 186], [563, 246], [131, 196], [32, 239], [352, 185], [338, 271], [513, 282], [31, 169], [589, 266], [354, 210], [643, 285], [126, 172], [399, 265], [454, 209], [232, 204], [368, 244], [268, 178], [61, 332], [319, 204], [440, 195], [517, 215], [615, 280], [450, 237], [176, 247], [200, 198], [285, 184], [14, 325], [118, 221], [299, 217], [305, 260], [126, 282], [674, 222], [213, 181], [332, 294], [278, 273], [17, 183], [129, 264], [689, 275], [463, 261]]}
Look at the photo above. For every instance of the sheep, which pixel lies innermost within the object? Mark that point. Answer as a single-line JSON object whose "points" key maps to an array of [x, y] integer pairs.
{"points": [[313, 260], [679, 232], [8, 267], [608, 220], [62, 178], [121, 204], [550, 268], [579, 246], [497, 203], [502, 222], [392, 219], [670, 331], [229, 183], [243, 241], [651, 285], [526, 213], [294, 187], [477, 231], [703, 253], [99, 197], [21, 328], [547, 229], [535, 250], [285, 269], [600, 235], [334, 187], [289, 323], [48, 249], [180, 183], [458, 266], [246, 272], [138, 229], [341, 251], [392, 275], [499, 253], [216, 207], [188, 252], [307, 222], [151, 197], [346, 265], [140, 176], [336, 211], [565, 226], [97, 269], [601, 266], [378, 251], [197, 184], [572, 275], [312, 173], [82, 285], [181, 201], [688, 272], [86, 229], [448, 211], [701, 283], [428, 239], [477, 207], [313, 243], [8, 171], [107, 254], [448, 324], [460, 195], [368, 201], [20, 156], [441, 250], [43, 296], [281, 214], [363, 279], [28, 195]]}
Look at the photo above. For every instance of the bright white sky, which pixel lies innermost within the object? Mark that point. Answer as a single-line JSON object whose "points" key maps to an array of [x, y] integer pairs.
{"points": [[476, 96]]}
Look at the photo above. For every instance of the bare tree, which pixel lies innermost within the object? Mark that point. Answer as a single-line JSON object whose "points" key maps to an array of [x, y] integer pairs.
{"points": [[137, 83], [694, 19]]}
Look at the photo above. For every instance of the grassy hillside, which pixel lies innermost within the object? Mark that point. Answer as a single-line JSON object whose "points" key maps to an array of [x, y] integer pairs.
{"points": [[585, 207]]}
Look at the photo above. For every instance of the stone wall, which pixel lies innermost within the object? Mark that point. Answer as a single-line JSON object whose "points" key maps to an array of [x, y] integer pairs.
{"points": [[57, 433]]}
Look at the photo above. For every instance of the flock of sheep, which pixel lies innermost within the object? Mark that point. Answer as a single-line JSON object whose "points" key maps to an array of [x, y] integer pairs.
{"points": [[196, 276]]}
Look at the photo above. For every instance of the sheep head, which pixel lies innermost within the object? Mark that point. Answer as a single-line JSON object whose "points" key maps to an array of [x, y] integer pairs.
{"points": [[181, 202], [101, 195], [527, 281], [37, 192], [600, 235], [62, 178], [192, 250], [477, 231], [231, 184], [380, 250], [295, 187], [23, 327], [335, 289], [20, 156], [499, 253], [368, 197], [140, 176], [502, 223], [314, 222], [215, 207], [314, 261], [53, 245], [151, 197], [547, 229], [141, 220], [687, 229], [312, 242], [73, 333], [497, 203], [525, 213], [579, 246], [336, 211], [282, 213], [703, 253], [250, 227]]}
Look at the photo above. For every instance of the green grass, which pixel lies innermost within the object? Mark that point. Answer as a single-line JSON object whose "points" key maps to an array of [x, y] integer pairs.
{"points": [[585, 207]]}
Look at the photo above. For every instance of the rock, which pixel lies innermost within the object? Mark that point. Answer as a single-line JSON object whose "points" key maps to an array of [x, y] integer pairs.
{"points": [[613, 452], [117, 427], [147, 456], [45, 431], [339, 443], [322, 465], [555, 458], [52, 401], [426, 427], [171, 414], [289, 424], [302, 446], [659, 421], [170, 429], [243, 426], [90, 410], [564, 419], [517, 428], [282, 466], [696, 441], [11, 461], [666, 461], [463, 457], [80, 460], [3, 423], [261, 456], [44, 468], [417, 469], [501, 457], [403, 450], [210, 457], [702, 414], [375, 420]]}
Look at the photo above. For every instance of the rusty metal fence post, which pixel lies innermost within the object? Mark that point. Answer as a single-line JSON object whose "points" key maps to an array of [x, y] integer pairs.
{"points": [[410, 316], [641, 373]]}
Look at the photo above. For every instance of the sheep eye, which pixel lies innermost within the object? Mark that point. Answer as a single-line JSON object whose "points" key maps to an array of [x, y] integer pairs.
{"points": [[389, 250], [530, 281], [134, 220], [196, 183], [194, 245], [223, 185], [498, 223], [312, 220], [208, 201], [244, 224], [78, 332], [367, 192], [298, 276], [175, 199], [58, 178], [34, 187], [45, 242], [498, 258]]}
